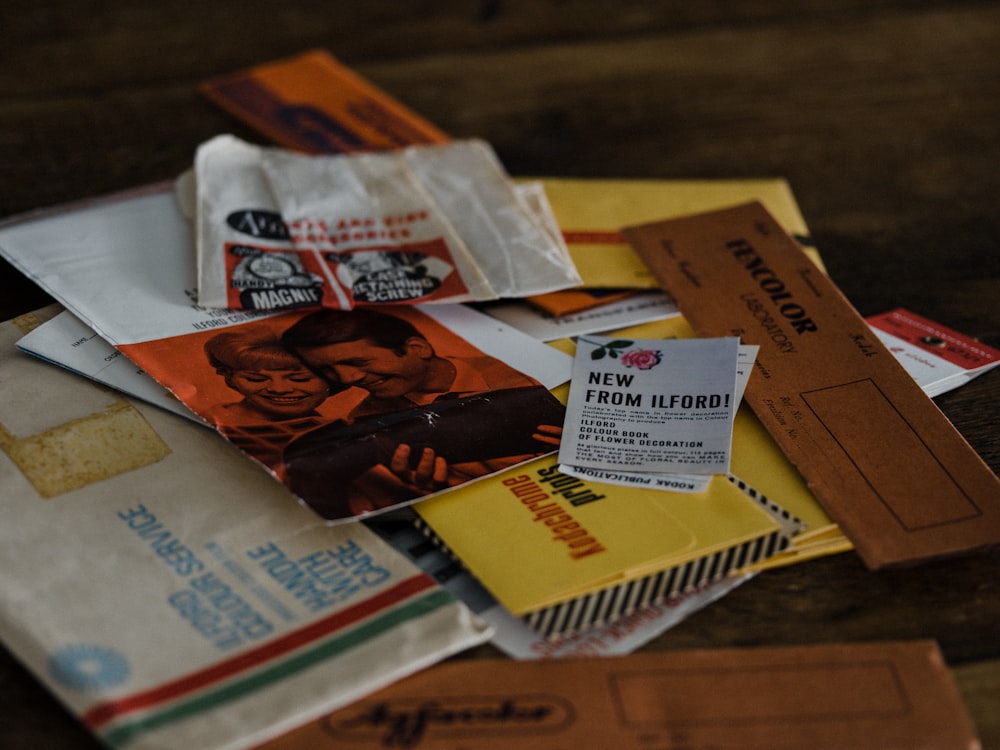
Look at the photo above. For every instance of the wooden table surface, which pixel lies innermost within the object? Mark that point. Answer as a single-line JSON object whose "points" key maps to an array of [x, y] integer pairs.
{"points": [[884, 115]]}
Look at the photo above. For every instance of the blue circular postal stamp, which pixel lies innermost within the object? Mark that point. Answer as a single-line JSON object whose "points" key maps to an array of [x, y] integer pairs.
{"points": [[87, 667]]}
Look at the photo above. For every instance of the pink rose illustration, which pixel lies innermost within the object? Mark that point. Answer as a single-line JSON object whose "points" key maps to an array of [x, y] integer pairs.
{"points": [[642, 359]]}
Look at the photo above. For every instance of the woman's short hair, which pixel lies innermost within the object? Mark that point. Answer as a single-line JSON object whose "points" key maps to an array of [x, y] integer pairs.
{"points": [[230, 351]]}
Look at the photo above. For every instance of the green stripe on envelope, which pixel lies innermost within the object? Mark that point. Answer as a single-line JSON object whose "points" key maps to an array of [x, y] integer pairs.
{"points": [[125, 732]]}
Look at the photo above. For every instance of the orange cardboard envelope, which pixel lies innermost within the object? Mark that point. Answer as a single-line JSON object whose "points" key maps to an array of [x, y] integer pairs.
{"points": [[885, 463], [314, 103], [875, 696]]}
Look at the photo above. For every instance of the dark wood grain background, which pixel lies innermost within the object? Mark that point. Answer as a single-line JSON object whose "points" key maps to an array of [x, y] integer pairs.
{"points": [[884, 115]]}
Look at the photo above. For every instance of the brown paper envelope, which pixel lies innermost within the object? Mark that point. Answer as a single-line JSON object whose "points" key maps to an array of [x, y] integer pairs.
{"points": [[877, 696], [880, 457]]}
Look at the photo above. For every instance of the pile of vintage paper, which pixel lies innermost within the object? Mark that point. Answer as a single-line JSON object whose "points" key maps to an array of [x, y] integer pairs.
{"points": [[323, 440]]}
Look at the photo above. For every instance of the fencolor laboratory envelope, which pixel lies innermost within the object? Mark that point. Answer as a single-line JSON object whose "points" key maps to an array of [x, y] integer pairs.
{"points": [[888, 466]]}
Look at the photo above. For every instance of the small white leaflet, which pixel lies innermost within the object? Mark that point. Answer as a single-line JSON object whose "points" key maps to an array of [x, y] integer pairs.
{"points": [[651, 405], [687, 483]]}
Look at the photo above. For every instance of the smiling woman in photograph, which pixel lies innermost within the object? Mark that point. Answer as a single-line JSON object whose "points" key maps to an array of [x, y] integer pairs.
{"points": [[280, 394]]}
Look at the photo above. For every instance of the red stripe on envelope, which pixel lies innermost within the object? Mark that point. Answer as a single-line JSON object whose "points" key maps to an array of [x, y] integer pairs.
{"points": [[102, 713]]}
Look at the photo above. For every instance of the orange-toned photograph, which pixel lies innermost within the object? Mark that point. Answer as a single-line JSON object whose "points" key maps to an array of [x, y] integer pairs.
{"points": [[358, 411]]}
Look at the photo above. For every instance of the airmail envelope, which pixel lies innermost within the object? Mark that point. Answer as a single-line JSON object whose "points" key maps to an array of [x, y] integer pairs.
{"points": [[887, 465], [877, 696]]}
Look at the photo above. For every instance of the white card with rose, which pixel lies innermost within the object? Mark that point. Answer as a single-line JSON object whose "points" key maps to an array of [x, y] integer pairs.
{"points": [[689, 483], [642, 409]]}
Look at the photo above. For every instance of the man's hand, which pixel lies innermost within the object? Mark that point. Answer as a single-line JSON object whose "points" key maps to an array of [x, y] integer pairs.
{"points": [[430, 474]]}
